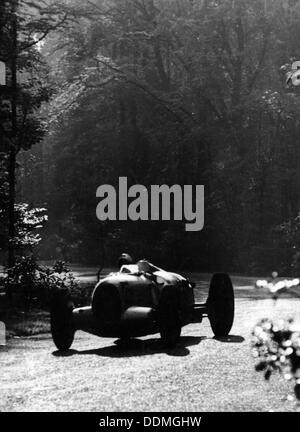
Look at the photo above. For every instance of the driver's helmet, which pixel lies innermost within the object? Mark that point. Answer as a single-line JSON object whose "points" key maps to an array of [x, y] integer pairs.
{"points": [[125, 258]]}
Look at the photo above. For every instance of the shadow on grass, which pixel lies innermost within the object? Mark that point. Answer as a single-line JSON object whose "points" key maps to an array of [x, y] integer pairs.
{"points": [[230, 339], [138, 347]]}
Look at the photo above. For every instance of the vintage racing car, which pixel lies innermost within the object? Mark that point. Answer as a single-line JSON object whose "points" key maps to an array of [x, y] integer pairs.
{"points": [[139, 300]]}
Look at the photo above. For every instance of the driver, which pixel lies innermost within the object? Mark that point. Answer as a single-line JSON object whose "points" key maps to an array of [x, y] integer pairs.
{"points": [[125, 259], [142, 266]]}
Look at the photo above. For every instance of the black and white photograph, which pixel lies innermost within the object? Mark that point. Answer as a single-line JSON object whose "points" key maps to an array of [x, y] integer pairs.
{"points": [[149, 209]]}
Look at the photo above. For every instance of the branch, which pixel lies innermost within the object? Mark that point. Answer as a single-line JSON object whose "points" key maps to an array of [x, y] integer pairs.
{"points": [[146, 90], [45, 34], [226, 44], [260, 63], [103, 84]]}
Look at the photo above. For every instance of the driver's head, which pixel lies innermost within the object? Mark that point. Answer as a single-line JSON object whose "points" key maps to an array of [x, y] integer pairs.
{"points": [[125, 258]]}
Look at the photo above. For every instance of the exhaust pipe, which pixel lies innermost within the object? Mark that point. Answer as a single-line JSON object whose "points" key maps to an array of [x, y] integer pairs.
{"points": [[136, 321]]}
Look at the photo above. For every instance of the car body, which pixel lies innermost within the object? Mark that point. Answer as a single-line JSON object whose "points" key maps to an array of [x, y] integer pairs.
{"points": [[142, 299]]}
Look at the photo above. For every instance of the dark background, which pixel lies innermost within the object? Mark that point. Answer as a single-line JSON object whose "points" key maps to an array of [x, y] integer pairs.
{"points": [[174, 92]]}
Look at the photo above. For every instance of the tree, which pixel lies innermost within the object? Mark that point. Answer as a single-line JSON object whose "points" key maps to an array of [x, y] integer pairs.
{"points": [[176, 92], [24, 24]]}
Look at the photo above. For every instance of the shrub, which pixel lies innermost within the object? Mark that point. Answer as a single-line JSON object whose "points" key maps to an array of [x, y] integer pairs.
{"points": [[34, 285], [276, 345], [277, 348]]}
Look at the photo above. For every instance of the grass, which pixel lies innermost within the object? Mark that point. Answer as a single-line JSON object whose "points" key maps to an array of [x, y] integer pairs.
{"points": [[200, 374], [22, 323]]}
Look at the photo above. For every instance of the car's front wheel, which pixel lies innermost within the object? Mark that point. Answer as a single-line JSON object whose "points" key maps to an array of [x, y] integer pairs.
{"points": [[220, 304], [61, 320]]}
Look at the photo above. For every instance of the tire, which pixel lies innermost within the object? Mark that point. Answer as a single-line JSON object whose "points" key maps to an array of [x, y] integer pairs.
{"points": [[169, 321], [220, 304], [61, 320]]}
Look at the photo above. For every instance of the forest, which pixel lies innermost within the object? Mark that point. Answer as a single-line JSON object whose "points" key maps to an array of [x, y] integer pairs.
{"points": [[185, 92]]}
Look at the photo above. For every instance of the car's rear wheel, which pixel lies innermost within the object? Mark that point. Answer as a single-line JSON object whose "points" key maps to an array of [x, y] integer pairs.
{"points": [[220, 304], [169, 317], [62, 328]]}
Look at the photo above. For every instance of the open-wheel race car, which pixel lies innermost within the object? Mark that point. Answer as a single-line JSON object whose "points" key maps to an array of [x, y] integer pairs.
{"points": [[139, 300]]}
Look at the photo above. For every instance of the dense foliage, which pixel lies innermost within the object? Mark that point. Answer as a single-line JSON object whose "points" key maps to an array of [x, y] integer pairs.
{"points": [[172, 91], [25, 90], [33, 285], [276, 345]]}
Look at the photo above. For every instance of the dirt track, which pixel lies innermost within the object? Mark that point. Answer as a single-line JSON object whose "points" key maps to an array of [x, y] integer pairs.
{"points": [[201, 374]]}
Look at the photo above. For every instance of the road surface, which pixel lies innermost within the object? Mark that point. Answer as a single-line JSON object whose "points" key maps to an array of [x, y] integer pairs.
{"points": [[201, 374]]}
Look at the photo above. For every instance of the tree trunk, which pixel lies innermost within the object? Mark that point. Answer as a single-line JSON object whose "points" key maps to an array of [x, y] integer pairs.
{"points": [[12, 151]]}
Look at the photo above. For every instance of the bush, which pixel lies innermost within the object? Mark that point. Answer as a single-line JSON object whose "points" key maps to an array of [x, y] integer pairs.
{"points": [[277, 348], [276, 345], [34, 285]]}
